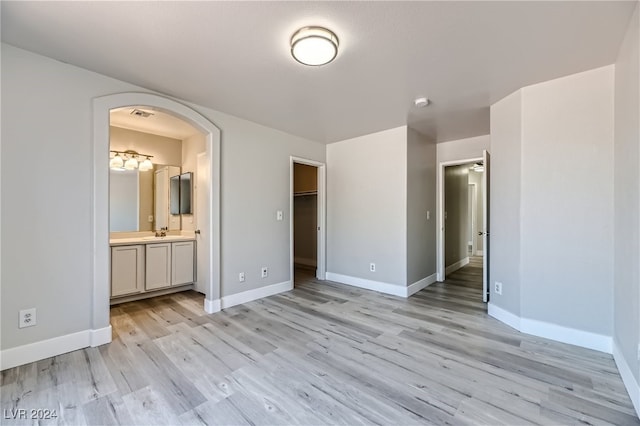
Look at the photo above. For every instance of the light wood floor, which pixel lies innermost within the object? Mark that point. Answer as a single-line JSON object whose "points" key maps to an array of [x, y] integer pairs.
{"points": [[323, 354]]}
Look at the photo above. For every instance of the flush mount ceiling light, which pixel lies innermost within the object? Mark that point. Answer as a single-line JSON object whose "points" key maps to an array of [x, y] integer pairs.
{"points": [[129, 160], [421, 102], [314, 46]]}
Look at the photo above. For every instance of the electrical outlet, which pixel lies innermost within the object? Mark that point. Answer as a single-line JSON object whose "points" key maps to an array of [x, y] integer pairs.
{"points": [[372, 267], [265, 272], [27, 318], [428, 214], [241, 277], [150, 218], [497, 287]]}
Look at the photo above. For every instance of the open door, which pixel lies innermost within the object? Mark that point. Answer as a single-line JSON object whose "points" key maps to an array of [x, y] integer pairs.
{"points": [[485, 233], [203, 233]]}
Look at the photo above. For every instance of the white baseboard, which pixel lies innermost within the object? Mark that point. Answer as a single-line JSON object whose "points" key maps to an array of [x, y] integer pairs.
{"points": [[479, 253], [455, 266], [504, 316], [212, 306], [393, 289], [419, 285], [629, 380], [31, 352], [559, 333], [569, 335], [101, 336], [258, 293], [304, 261]]}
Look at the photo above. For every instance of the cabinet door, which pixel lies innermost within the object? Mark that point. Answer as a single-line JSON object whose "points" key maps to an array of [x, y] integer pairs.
{"points": [[182, 266], [127, 270], [158, 270]]}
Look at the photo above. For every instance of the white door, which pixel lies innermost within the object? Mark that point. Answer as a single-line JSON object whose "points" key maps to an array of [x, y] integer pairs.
{"points": [[203, 236], [486, 179]]}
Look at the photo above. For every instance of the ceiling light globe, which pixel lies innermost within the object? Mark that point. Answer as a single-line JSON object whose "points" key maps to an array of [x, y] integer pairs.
{"points": [[314, 46], [146, 165], [131, 164], [116, 162]]}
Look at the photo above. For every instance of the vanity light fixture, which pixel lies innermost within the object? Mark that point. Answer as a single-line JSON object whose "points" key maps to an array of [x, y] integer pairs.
{"points": [[314, 46], [129, 160]]}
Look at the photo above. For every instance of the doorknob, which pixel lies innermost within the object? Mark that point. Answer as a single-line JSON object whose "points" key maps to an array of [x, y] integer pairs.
{"points": [[197, 231], [480, 233]]}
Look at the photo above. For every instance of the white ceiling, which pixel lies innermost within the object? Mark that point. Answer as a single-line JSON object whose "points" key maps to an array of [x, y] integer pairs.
{"points": [[234, 56]]}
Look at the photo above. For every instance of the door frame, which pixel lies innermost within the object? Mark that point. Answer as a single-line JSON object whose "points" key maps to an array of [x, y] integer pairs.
{"points": [[440, 266], [101, 329], [321, 252]]}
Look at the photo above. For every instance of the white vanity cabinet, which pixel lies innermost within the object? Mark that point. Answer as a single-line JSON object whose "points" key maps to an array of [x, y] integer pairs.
{"points": [[158, 269], [182, 263], [147, 267], [127, 270]]}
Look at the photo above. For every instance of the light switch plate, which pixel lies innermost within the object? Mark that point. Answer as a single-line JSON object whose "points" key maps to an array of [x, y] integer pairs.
{"points": [[279, 215]]}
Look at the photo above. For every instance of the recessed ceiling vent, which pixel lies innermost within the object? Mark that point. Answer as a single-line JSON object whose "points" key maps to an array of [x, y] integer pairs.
{"points": [[140, 113]]}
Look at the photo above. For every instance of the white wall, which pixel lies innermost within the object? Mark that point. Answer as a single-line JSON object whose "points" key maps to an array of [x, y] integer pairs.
{"points": [[366, 206], [567, 201], [504, 259], [46, 254], [552, 185], [626, 302], [421, 198]]}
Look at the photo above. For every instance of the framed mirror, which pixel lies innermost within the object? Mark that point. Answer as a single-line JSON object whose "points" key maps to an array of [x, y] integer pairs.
{"points": [[180, 194]]}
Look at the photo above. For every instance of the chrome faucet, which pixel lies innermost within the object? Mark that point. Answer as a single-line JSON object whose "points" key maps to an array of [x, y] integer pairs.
{"points": [[162, 233]]}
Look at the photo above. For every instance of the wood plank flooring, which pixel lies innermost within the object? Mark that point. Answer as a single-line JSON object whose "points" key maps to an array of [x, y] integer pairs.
{"points": [[321, 354]]}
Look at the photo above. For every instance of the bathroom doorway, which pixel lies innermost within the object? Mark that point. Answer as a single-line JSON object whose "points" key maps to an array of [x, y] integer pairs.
{"points": [[102, 249]]}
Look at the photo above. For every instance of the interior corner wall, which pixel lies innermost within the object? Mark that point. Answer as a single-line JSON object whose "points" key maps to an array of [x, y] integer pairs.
{"points": [[506, 135], [567, 201], [626, 298], [366, 207], [456, 207], [421, 198], [552, 179]]}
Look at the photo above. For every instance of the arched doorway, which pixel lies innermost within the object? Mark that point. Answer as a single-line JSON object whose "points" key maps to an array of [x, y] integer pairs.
{"points": [[101, 329]]}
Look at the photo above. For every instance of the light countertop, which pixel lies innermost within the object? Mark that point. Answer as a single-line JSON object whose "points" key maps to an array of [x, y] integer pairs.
{"points": [[149, 240]]}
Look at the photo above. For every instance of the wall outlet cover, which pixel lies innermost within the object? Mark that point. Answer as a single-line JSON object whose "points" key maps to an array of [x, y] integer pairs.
{"points": [[497, 287], [264, 272], [241, 277], [27, 318], [372, 267]]}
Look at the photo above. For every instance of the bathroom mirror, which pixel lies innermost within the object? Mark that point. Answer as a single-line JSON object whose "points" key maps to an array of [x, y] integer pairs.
{"points": [[180, 190], [136, 200]]}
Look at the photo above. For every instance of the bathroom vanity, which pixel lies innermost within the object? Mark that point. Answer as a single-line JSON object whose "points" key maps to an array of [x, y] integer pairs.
{"points": [[148, 266]]}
